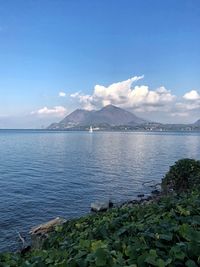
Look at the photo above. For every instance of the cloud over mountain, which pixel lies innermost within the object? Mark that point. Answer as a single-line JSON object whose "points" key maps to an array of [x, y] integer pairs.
{"points": [[125, 95], [135, 96]]}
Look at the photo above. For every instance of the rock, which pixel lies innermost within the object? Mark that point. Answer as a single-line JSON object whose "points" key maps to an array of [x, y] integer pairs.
{"points": [[119, 204], [41, 232], [25, 250], [111, 204], [101, 206], [155, 192], [140, 195]]}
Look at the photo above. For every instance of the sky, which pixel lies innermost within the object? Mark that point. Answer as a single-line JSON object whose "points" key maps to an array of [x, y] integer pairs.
{"points": [[59, 55]]}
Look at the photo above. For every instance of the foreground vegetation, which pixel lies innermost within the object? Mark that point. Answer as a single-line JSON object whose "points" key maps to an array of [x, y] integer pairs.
{"points": [[163, 232]]}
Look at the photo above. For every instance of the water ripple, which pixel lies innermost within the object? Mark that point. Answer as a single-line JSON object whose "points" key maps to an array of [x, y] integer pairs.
{"points": [[48, 174]]}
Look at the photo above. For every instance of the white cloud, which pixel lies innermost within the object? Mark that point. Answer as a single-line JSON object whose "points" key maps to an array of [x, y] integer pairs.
{"points": [[179, 114], [190, 104], [62, 94], [75, 94], [122, 94], [55, 111], [192, 95]]}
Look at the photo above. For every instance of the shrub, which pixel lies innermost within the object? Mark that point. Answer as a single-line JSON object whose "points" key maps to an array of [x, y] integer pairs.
{"points": [[183, 175]]}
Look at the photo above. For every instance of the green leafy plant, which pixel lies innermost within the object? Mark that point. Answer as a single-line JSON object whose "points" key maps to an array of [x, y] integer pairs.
{"points": [[183, 175], [163, 233]]}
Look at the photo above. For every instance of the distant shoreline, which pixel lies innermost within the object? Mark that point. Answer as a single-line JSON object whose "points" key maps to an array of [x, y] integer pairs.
{"points": [[102, 130]]}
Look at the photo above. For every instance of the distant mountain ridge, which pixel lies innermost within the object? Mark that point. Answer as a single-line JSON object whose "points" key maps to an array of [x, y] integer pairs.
{"points": [[197, 123], [114, 118], [109, 115]]}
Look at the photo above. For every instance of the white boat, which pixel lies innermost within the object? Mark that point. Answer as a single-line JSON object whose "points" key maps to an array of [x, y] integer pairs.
{"points": [[90, 130]]}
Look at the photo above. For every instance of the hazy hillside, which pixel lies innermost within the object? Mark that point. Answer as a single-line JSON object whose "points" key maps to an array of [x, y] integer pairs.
{"points": [[108, 115]]}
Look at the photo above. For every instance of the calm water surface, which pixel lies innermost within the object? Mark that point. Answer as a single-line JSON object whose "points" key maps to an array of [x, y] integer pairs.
{"points": [[48, 174]]}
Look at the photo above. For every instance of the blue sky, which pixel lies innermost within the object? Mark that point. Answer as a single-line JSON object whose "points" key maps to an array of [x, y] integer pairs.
{"points": [[71, 46]]}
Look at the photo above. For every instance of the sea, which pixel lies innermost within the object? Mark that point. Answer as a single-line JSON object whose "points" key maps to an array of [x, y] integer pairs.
{"points": [[48, 174]]}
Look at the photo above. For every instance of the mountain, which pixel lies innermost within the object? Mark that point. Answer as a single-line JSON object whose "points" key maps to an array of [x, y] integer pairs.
{"points": [[107, 116], [197, 123]]}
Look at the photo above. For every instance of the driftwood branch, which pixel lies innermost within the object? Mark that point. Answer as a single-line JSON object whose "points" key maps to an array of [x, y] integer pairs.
{"points": [[148, 182], [22, 239], [46, 227]]}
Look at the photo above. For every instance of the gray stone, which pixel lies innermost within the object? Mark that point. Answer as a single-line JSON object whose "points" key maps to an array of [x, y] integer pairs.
{"points": [[101, 206]]}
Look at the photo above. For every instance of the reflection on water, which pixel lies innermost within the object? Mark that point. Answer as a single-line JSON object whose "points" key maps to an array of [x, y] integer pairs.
{"points": [[47, 174]]}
